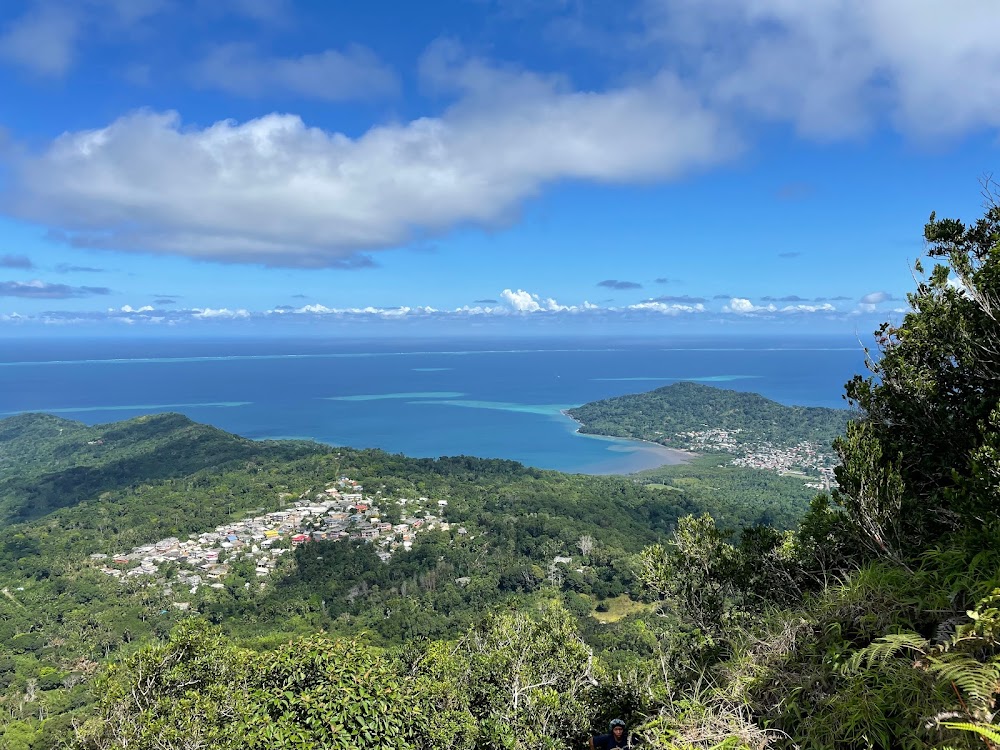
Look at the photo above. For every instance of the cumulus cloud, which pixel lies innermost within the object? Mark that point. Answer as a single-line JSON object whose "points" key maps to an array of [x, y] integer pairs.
{"points": [[22, 262], [667, 309], [787, 298], [835, 67], [664, 280], [486, 301], [743, 306], [223, 312], [273, 190], [956, 283], [526, 302], [616, 284], [43, 290], [331, 75]]}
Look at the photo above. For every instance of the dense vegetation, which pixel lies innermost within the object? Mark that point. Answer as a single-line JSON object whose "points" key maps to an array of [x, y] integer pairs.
{"points": [[737, 496], [47, 463], [61, 618], [873, 623], [660, 416]]}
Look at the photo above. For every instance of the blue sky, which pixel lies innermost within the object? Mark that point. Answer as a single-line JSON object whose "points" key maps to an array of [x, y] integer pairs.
{"points": [[483, 166]]}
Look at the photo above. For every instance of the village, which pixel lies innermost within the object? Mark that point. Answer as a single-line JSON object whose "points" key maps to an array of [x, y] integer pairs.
{"points": [[804, 459], [341, 511]]}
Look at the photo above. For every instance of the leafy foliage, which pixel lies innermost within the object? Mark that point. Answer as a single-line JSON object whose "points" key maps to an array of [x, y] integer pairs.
{"points": [[198, 690], [737, 496], [923, 460]]}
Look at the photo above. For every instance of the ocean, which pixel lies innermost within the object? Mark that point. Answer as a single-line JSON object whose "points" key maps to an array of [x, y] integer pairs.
{"points": [[490, 398]]}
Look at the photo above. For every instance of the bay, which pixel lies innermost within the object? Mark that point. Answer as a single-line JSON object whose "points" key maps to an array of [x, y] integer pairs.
{"points": [[491, 398]]}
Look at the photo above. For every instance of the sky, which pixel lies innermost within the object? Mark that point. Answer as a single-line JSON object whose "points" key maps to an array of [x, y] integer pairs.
{"points": [[478, 167]]}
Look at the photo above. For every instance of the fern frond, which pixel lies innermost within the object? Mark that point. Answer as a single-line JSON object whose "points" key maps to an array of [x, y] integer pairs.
{"points": [[883, 649], [974, 679], [983, 730]]}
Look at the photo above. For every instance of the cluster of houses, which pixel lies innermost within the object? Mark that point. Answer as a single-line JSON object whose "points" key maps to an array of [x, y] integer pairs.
{"points": [[803, 459], [341, 511]]}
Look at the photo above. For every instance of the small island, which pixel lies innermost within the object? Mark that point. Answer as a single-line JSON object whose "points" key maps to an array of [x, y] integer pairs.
{"points": [[757, 432]]}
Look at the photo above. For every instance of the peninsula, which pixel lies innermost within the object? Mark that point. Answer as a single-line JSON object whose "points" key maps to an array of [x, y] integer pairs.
{"points": [[755, 431]]}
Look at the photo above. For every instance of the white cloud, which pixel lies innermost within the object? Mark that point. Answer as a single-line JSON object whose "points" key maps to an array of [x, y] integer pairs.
{"points": [[480, 310], [742, 306], [874, 298], [223, 312], [825, 307], [355, 73], [834, 67], [518, 304], [273, 190], [314, 309], [870, 301], [667, 309], [525, 302], [383, 312], [521, 301]]}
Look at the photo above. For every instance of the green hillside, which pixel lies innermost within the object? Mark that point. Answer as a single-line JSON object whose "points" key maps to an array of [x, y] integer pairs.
{"points": [[661, 415], [47, 463]]}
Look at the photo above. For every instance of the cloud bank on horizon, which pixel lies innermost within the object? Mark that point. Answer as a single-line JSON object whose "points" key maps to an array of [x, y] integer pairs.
{"points": [[517, 304], [457, 138]]}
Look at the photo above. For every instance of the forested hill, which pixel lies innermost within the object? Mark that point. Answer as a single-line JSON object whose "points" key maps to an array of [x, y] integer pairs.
{"points": [[676, 415], [48, 463]]}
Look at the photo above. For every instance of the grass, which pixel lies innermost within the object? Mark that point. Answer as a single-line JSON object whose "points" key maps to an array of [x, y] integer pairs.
{"points": [[620, 607]]}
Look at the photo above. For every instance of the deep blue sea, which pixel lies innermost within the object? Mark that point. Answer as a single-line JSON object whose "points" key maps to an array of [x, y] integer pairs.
{"points": [[491, 398]]}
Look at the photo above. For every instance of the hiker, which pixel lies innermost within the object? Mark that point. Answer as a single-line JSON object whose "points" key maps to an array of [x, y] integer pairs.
{"points": [[616, 737]]}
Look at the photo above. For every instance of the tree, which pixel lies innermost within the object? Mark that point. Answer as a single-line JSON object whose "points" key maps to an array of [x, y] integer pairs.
{"points": [[518, 681], [200, 691], [922, 461]]}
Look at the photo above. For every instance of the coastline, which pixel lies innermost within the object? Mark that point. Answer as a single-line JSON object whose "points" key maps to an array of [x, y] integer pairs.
{"points": [[660, 455]]}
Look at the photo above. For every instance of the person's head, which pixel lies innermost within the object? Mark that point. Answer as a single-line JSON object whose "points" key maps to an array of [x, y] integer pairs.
{"points": [[617, 728]]}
